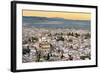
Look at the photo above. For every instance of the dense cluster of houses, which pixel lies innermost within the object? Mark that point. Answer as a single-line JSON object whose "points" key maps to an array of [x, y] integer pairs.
{"points": [[41, 45]]}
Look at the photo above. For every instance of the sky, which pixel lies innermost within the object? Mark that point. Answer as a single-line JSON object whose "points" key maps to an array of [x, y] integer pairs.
{"points": [[55, 14]]}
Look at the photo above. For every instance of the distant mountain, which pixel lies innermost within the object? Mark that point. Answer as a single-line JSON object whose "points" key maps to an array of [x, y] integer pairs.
{"points": [[44, 22]]}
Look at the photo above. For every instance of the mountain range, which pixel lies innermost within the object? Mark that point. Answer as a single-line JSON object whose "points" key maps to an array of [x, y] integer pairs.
{"points": [[45, 22]]}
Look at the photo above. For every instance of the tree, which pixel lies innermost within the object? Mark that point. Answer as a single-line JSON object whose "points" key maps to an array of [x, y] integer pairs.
{"points": [[48, 56], [60, 39], [87, 36], [38, 56], [34, 39]]}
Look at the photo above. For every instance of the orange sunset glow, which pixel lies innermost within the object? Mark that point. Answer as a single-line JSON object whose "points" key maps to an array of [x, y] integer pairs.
{"points": [[52, 14]]}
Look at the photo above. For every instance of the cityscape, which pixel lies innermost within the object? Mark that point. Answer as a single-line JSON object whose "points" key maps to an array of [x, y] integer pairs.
{"points": [[55, 39]]}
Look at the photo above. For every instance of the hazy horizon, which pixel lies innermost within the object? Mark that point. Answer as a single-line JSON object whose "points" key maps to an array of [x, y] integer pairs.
{"points": [[46, 22]]}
